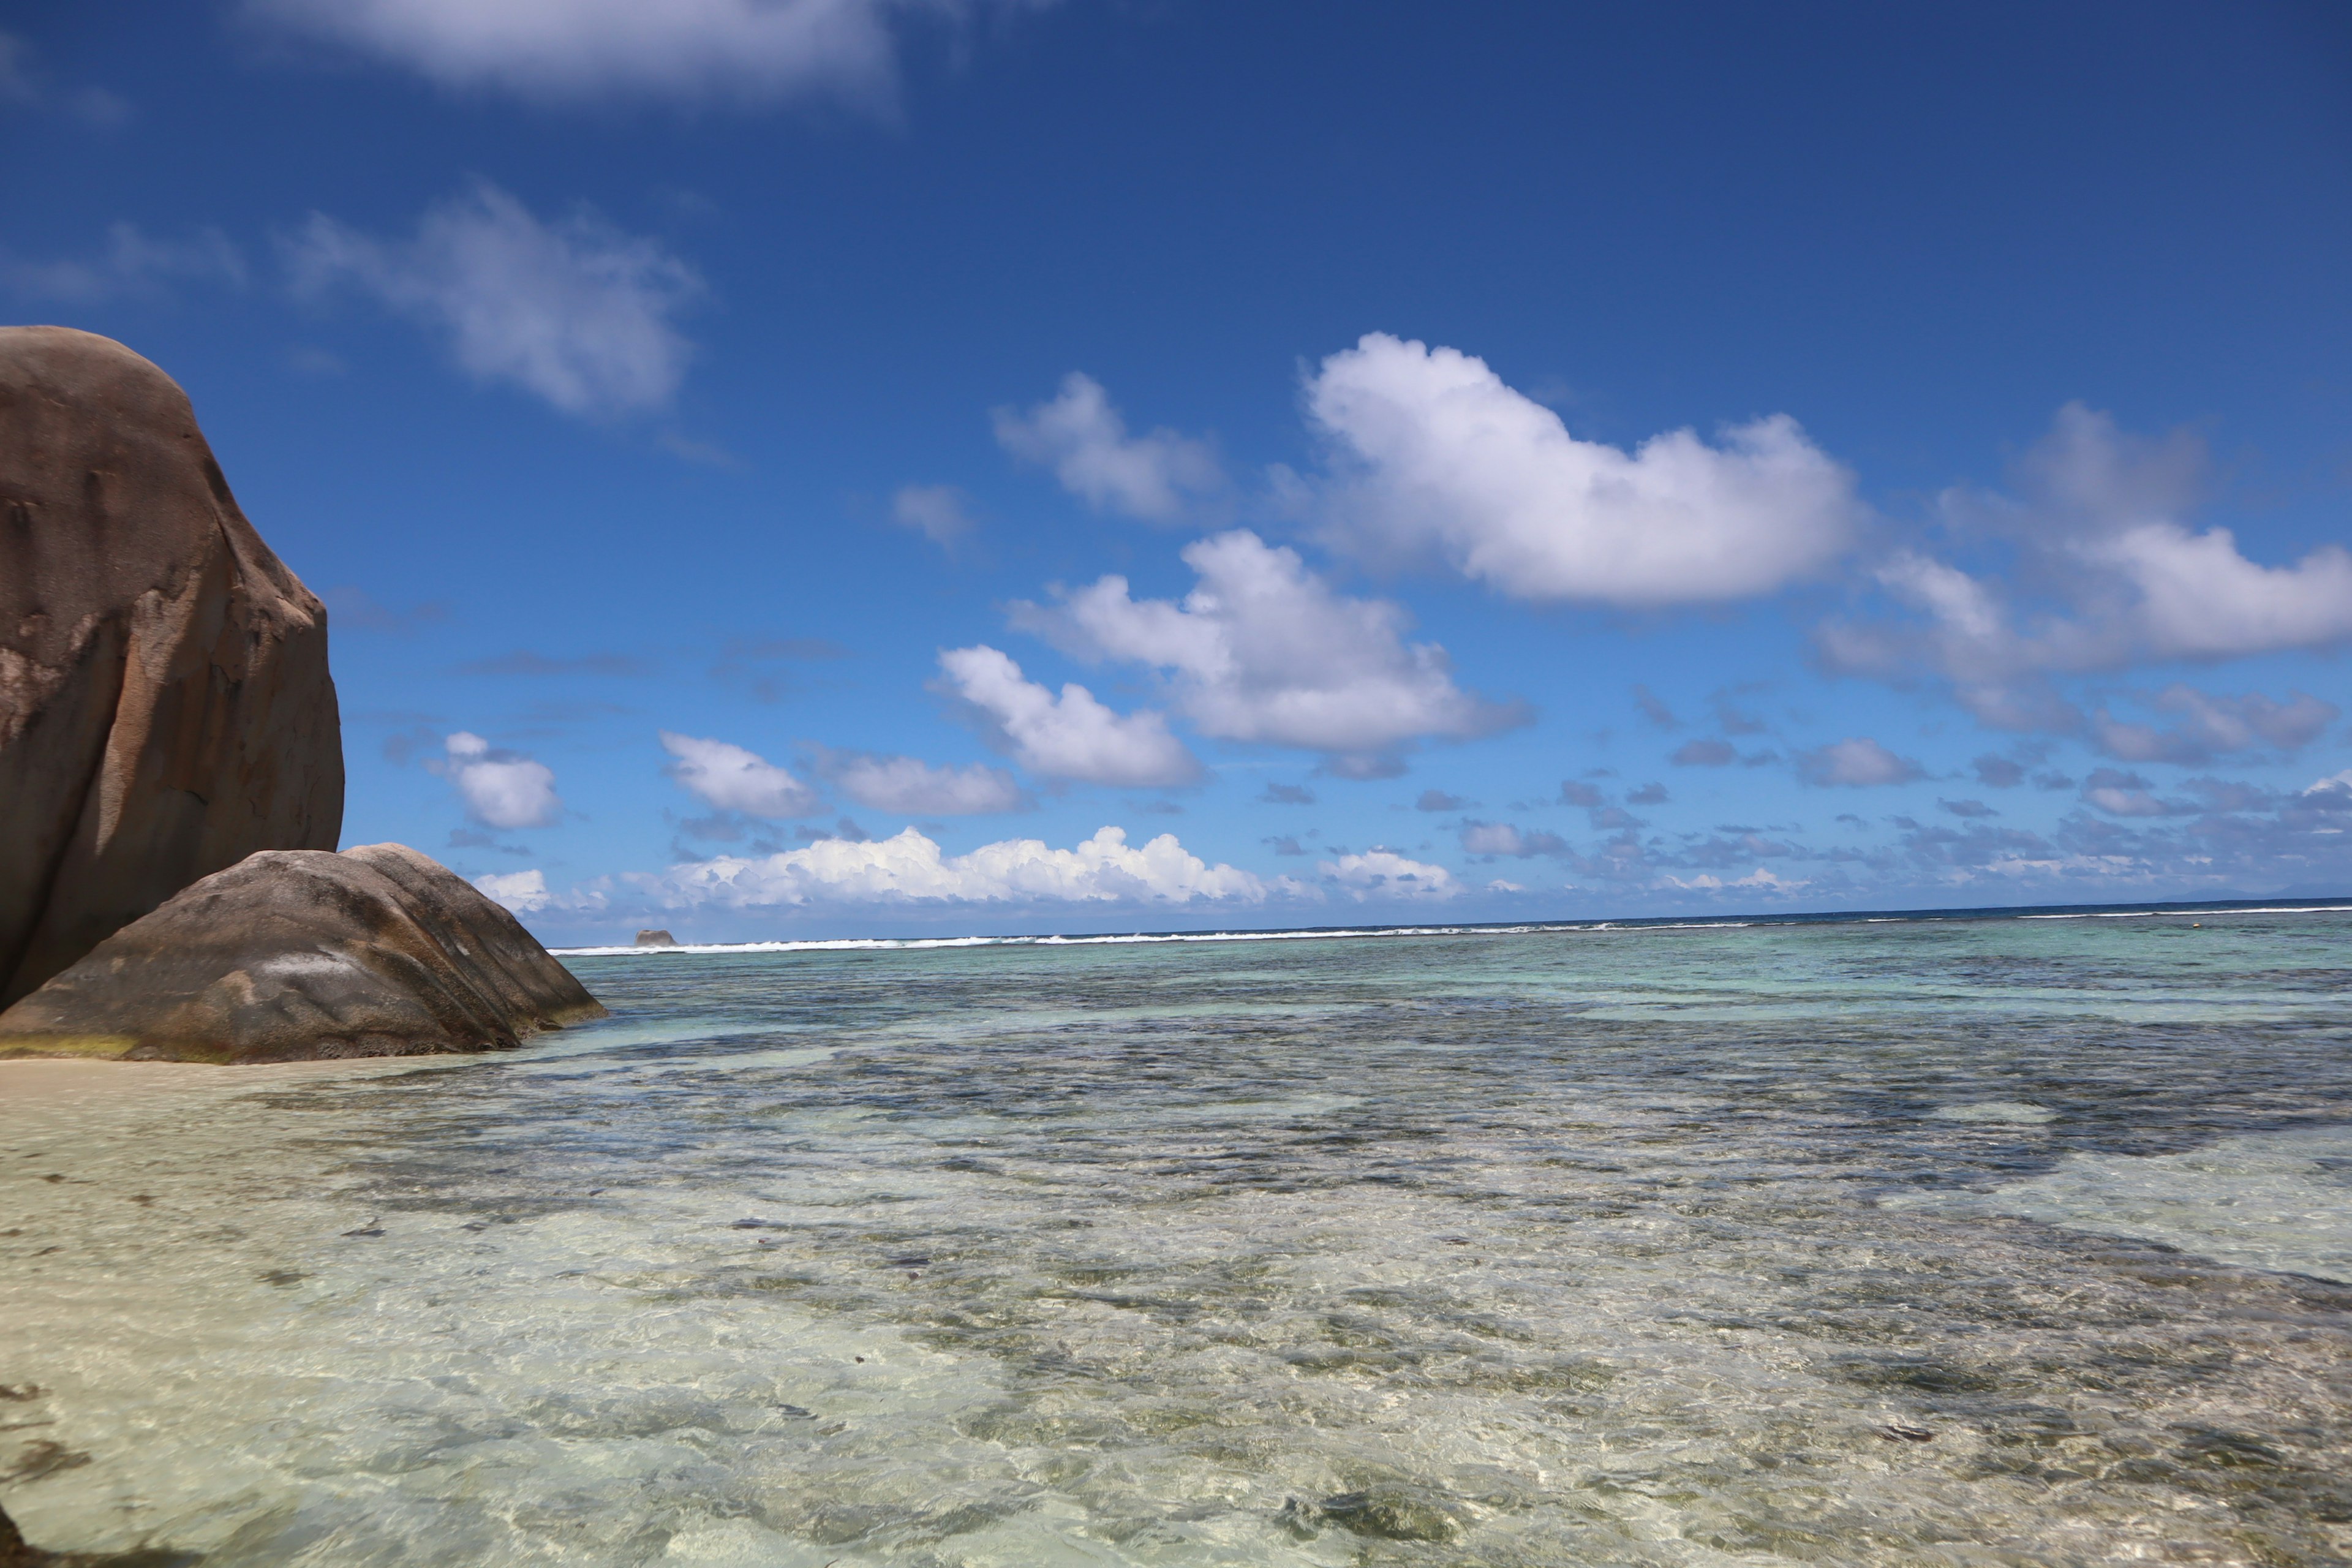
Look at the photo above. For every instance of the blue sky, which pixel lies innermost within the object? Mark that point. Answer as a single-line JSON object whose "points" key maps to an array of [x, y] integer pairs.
{"points": [[793, 468]]}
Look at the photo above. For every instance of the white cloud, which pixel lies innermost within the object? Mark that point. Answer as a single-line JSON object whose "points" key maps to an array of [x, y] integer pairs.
{"points": [[98, 107], [729, 778], [1385, 874], [500, 788], [527, 893], [911, 869], [1070, 735], [1438, 454], [1857, 763], [1502, 838], [2122, 579], [524, 892], [16, 85], [130, 264], [940, 514], [21, 88], [1264, 650], [2199, 598], [912, 787], [1082, 439], [576, 312], [2126, 794], [2212, 724], [592, 49]]}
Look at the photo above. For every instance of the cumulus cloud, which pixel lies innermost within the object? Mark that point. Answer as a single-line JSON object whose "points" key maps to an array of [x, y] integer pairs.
{"points": [[500, 788], [2108, 574], [1069, 734], [1654, 708], [576, 312], [909, 786], [729, 778], [1385, 874], [1502, 838], [524, 892], [21, 87], [1998, 772], [1704, 754], [911, 869], [940, 514], [1264, 650], [1435, 455], [748, 50], [132, 264], [1573, 792], [2211, 725], [2121, 793], [1287, 794], [1728, 714], [16, 84], [1856, 763], [1083, 440]]}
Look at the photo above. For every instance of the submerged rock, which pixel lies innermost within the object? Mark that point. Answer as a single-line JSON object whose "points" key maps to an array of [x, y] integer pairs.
{"points": [[656, 939], [165, 708], [16, 1553], [1391, 1513], [291, 956]]}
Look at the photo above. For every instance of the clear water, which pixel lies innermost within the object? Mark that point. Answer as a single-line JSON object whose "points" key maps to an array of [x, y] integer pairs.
{"points": [[1997, 1242]]}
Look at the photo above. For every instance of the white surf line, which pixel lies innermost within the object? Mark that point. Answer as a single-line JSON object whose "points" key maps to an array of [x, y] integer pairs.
{"points": [[1114, 939], [2183, 914], [896, 945]]}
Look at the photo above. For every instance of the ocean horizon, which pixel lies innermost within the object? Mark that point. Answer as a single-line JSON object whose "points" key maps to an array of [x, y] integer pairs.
{"points": [[2151, 909]]}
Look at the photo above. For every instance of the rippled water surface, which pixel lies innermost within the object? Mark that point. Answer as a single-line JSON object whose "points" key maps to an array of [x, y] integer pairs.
{"points": [[1991, 1242]]}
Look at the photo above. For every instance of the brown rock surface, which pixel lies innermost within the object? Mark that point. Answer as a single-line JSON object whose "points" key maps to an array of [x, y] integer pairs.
{"points": [[297, 954], [165, 708]]}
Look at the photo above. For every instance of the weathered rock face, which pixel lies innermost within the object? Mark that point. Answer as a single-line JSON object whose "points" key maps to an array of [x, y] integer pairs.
{"points": [[165, 708], [291, 956]]}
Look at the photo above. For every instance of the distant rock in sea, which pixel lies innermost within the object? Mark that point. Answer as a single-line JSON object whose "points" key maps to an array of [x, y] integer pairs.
{"points": [[293, 955], [656, 939], [165, 708]]}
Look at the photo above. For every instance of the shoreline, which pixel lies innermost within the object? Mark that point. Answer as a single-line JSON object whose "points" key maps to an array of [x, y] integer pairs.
{"points": [[25, 1081]]}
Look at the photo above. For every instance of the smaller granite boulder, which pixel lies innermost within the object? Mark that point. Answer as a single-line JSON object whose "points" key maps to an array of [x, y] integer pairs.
{"points": [[297, 954], [656, 939]]}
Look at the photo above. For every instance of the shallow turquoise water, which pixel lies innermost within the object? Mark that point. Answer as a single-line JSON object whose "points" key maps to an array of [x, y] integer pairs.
{"points": [[1968, 1243]]}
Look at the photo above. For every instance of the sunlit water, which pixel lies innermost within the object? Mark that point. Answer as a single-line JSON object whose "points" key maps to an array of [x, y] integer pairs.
{"points": [[1997, 1242]]}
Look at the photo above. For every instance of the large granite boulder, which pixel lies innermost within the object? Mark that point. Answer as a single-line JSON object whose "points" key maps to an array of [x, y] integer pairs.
{"points": [[296, 954], [165, 708]]}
